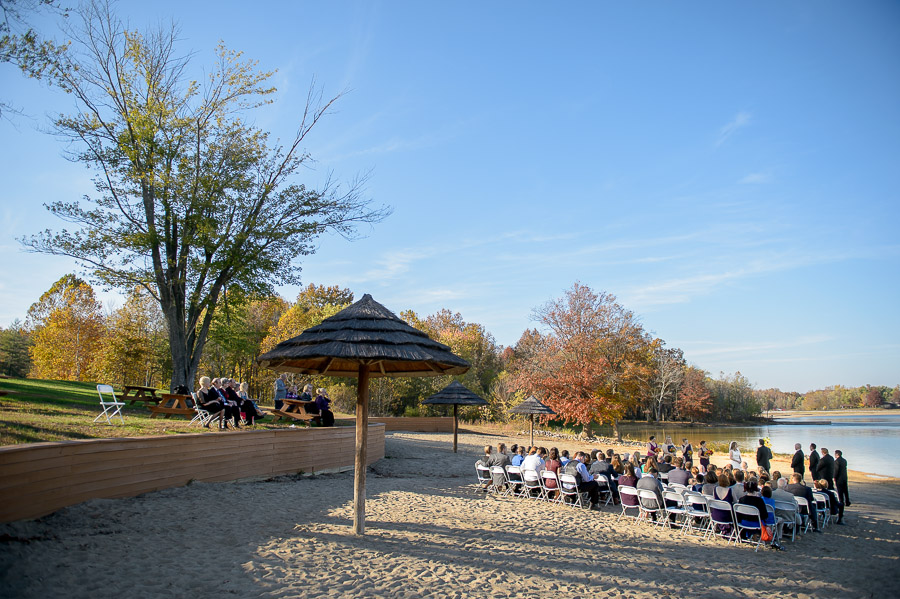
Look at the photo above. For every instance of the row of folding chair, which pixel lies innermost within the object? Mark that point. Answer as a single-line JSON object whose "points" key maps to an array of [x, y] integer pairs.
{"points": [[546, 485]]}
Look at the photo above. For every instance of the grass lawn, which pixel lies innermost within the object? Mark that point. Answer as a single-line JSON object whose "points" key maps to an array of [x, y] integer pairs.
{"points": [[35, 410]]}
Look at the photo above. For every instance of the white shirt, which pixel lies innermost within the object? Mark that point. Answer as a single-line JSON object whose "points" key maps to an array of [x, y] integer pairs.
{"points": [[533, 462]]}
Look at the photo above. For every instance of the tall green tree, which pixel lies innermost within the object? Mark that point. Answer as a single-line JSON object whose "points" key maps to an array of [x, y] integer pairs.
{"points": [[191, 201], [15, 342]]}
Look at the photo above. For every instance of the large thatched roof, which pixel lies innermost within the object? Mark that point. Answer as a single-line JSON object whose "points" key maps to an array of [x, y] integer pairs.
{"points": [[456, 393], [363, 333], [531, 406]]}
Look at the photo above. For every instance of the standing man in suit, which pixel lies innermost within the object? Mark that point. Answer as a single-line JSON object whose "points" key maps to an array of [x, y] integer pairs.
{"points": [[840, 477], [826, 469], [764, 456], [798, 461], [813, 461]]}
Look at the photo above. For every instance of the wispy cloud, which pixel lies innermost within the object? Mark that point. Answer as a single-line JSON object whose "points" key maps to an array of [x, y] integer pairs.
{"points": [[755, 179], [741, 120]]}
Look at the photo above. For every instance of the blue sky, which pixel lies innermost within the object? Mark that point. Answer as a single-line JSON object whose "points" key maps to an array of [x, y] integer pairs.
{"points": [[729, 171]]}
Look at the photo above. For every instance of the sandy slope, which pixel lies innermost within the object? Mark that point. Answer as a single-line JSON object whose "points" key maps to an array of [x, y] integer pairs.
{"points": [[428, 534]]}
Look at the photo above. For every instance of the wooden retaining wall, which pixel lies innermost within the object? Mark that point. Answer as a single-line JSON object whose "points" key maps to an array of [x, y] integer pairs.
{"points": [[39, 478], [436, 424]]}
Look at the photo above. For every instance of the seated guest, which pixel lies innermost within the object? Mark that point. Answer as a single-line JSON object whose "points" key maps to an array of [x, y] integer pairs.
{"points": [[323, 405], [601, 466], [628, 479], [230, 400], [307, 395], [798, 489], [519, 457], [723, 490], [617, 465], [679, 475], [552, 464], [837, 508], [533, 460], [771, 519], [752, 498], [699, 481], [737, 487], [209, 400], [636, 462], [485, 461], [666, 466], [246, 407], [780, 495], [650, 463], [651, 483], [710, 484], [498, 458], [586, 482]]}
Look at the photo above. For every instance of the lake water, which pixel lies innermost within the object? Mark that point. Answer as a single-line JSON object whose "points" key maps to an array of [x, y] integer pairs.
{"points": [[870, 443]]}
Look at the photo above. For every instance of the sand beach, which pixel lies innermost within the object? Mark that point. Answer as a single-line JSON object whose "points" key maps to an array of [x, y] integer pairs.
{"points": [[429, 533]]}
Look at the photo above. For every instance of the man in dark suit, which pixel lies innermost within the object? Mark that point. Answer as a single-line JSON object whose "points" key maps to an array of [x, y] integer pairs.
{"points": [[798, 461], [813, 461], [826, 469], [798, 489], [764, 456], [840, 477]]}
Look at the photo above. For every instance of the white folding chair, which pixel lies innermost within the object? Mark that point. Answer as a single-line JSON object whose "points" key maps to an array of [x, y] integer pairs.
{"points": [[201, 415], [550, 482], [112, 407], [696, 513], [516, 484], [650, 507], [604, 488], [568, 487], [805, 511], [721, 520], [499, 483], [779, 522], [628, 496], [748, 520], [789, 507], [823, 507], [485, 482], [676, 511], [533, 487]]}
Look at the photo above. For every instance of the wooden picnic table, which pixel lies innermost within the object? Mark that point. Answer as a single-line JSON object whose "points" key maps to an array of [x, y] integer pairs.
{"points": [[179, 406], [295, 410], [138, 393]]}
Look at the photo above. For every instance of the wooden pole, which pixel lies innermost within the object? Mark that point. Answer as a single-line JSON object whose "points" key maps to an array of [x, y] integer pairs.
{"points": [[532, 429], [455, 427], [362, 439]]}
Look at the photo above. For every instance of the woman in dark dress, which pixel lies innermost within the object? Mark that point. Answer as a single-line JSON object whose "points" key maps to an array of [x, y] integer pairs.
{"points": [[324, 406]]}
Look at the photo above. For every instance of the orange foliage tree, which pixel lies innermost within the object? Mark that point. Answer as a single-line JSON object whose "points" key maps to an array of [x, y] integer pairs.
{"points": [[593, 361], [694, 401]]}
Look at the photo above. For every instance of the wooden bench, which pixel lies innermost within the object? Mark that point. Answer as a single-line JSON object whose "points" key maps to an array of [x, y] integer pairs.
{"points": [[302, 416], [166, 412]]}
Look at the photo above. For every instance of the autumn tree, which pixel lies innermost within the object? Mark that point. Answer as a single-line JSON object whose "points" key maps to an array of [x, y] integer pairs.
{"points": [[591, 363], [67, 327], [468, 340], [237, 334], [313, 305], [694, 402], [874, 397], [135, 345], [191, 201]]}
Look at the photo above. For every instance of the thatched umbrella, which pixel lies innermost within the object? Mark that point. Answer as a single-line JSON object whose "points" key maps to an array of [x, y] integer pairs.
{"points": [[531, 406], [455, 393], [363, 340]]}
